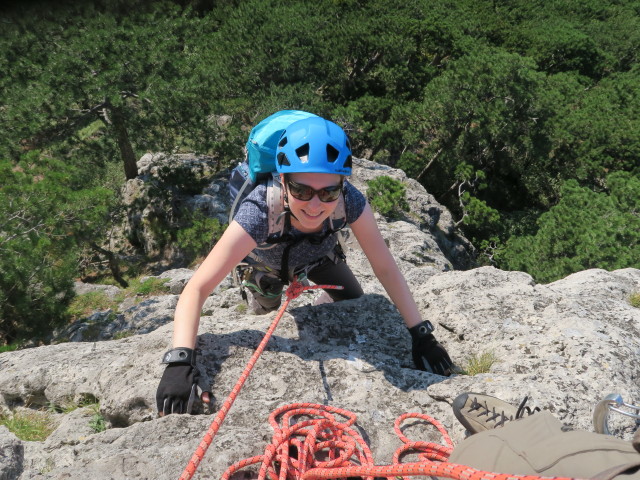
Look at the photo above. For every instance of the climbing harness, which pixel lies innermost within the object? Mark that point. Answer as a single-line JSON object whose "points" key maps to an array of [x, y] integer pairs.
{"points": [[249, 273], [612, 403], [294, 291]]}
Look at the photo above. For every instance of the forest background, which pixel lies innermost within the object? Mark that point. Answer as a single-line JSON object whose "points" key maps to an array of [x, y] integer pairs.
{"points": [[520, 116]]}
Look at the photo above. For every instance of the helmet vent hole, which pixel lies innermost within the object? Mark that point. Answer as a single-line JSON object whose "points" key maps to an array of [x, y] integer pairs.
{"points": [[348, 162], [303, 153], [283, 160], [282, 142], [332, 154]]}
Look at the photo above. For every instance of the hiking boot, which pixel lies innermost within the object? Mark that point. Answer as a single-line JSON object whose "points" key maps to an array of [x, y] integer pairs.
{"points": [[479, 412], [259, 309]]}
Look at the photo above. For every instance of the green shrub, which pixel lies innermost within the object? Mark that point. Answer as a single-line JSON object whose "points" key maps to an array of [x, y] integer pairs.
{"points": [[198, 238], [571, 238], [188, 179], [387, 196], [44, 218], [634, 299]]}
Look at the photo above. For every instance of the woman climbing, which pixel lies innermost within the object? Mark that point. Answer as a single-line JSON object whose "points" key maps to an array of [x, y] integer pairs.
{"points": [[313, 159]]}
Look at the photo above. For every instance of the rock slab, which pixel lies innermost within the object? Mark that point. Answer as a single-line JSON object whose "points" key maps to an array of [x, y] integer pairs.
{"points": [[565, 345]]}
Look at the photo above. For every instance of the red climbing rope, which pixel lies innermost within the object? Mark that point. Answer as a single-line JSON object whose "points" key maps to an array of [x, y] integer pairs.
{"points": [[295, 447], [293, 291], [325, 447], [317, 442]]}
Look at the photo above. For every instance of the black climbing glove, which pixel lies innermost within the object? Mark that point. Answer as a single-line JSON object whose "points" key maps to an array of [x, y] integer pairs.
{"points": [[178, 386], [428, 353]]}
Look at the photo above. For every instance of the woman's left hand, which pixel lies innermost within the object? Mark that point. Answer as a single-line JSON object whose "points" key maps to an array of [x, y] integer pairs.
{"points": [[429, 354]]}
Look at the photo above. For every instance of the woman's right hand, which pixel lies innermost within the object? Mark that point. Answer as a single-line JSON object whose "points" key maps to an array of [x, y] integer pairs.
{"points": [[178, 388]]}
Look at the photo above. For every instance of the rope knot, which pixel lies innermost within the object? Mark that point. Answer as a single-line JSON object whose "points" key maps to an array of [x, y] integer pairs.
{"points": [[295, 289]]}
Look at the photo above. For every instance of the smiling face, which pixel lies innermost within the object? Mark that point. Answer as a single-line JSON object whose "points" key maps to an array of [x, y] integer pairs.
{"points": [[309, 215]]}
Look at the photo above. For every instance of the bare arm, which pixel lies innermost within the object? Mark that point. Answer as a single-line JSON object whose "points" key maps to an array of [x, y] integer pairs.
{"points": [[385, 267], [233, 246]]}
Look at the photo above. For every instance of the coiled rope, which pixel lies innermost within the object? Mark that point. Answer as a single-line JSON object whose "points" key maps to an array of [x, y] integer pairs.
{"points": [[310, 442], [323, 447]]}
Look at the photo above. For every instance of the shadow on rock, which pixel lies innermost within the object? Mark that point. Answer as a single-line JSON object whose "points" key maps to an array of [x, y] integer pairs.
{"points": [[367, 334]]}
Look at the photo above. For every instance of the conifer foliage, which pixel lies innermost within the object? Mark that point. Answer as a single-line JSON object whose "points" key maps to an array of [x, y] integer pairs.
{"points": [[522, 118]]}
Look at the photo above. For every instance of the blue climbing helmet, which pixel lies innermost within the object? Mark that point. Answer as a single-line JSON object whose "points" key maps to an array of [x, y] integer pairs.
{"points": [[314, 145]]}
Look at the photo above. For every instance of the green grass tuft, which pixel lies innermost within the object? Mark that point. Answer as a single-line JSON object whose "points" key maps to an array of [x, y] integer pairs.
{"points": [[9, 348], [149, 287], [479, 363], [97, 422], [87, 303], [31, 426], [84, 305]]}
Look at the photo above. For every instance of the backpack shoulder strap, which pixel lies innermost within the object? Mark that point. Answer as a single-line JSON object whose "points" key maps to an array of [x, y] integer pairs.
{"points": [[275, 205], [232, 212], [338, 218]]}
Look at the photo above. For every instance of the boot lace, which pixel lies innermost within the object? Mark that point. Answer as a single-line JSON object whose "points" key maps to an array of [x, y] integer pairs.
{"points": [[499, 416], [524, 409]]}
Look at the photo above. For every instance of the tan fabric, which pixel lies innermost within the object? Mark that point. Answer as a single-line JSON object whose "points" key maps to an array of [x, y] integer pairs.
{"points": [[536, 445]]}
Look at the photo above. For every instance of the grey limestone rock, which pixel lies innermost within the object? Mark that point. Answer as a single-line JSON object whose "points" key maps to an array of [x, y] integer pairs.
{"points": [[565, 345], [11, 455]]}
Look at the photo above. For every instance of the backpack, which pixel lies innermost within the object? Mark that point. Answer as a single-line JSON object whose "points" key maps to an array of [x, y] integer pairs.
{"points": [[259, 167]]}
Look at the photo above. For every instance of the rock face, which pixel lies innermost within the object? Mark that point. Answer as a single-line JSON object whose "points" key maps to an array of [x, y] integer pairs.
{"points": [[167, 190], [565, 345]]}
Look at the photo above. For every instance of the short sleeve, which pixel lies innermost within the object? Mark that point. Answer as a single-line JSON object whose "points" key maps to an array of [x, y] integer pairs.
{"points": [[252, 214], [354, 202]]}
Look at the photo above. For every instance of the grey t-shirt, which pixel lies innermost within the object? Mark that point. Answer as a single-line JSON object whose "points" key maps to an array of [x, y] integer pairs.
{"points": [[252, 215]]}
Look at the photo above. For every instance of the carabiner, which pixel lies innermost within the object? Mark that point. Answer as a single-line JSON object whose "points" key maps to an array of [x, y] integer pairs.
{"points": [[612, 403]]}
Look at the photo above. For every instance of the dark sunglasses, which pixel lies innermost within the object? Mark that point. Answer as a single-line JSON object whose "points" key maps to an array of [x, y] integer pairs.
{"points": [[306, 193]]}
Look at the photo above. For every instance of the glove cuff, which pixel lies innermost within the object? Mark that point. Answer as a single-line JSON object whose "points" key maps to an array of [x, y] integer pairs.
{"points": [[180, 355], [421, 330]]}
